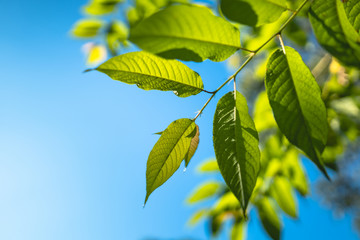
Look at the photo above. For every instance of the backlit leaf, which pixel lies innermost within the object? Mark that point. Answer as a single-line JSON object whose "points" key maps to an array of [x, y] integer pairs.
{"points": [[334, 31], [236, 146], [210, 165], [204, 191], [168, 153], [253, 13], [283, 194], [296, 101], [352, 9], [188, 33], [193, 146], [100, 7], [86, 28], [238, 230], [197, 217], [269, 218], [150, 72]]}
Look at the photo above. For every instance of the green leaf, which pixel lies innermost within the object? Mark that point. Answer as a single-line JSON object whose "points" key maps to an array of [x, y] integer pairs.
{"points": [[204, 191], [253, 13], [188, 33], [238, 230], [100, 7], [117, 34], [283, 194], [86, 28], [352, 9], [269, 218], [209, 166], [236, 146], [263, 116], [193, 145], [197, 217], [150, 72], [226, 203], [334, 31], [294, 171], [168, 153], [296, 101]]}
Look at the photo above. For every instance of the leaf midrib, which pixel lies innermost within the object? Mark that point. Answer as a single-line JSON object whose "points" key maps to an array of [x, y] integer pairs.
{"points": [[167, 157], [240, 172], [301, 110], [148, 75], [184, 38]]}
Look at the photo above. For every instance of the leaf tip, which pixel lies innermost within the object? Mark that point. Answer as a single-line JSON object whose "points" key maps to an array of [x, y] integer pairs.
{"points": [[89, 70]]}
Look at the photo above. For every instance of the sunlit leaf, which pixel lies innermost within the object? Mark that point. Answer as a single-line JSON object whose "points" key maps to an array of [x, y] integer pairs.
{"points": [[294, 171], [193, 146], [296, 102], [334, 31], [87, 28], [238, 230], [227, 202], [197, 217], [236, 146], [210, 165], [117, 33], [96, 55], [352, 9], [150, 72], [263, 116], [283, 194], [100, 7], [186, 32], [204, 191], [168, 153], [253, 13], [269, 218]]}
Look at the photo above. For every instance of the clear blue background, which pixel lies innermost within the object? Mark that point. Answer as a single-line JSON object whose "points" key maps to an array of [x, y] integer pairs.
{"points": [[73, 146]]}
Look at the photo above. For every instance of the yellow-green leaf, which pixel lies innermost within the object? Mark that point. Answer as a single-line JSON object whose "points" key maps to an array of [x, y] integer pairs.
{"points": [[168, 153], [87, 28], [204, 191], [193, 145], [187, 32], [283, 194], [150, 72]]}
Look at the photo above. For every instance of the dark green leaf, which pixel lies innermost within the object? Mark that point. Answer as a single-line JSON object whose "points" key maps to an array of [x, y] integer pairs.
{"points": [[193, 145], [168, 153], [150, 72], [236, 146], [296, 101], [188, 33], [253, 13], [334, 31]]}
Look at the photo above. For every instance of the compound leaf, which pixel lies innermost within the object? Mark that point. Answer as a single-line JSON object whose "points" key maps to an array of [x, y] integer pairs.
{"points": [[236, 146], [253, 13], [168, 153], [296, 101], [186, 32], [149, 72]]}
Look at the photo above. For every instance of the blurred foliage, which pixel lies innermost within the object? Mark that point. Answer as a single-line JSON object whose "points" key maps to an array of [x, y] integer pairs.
{"points": [[282, 178]]}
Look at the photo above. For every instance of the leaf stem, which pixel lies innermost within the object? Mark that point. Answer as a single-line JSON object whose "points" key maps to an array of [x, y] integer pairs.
{"points": [[251, 56], [282, 43]]}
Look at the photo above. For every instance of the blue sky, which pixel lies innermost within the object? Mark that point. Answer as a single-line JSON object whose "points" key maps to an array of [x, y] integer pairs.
{"points": [[73, 146]]}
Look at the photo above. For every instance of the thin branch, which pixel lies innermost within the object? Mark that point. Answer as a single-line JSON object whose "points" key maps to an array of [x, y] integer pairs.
{"points": [[251, 56], [282, 43]]}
